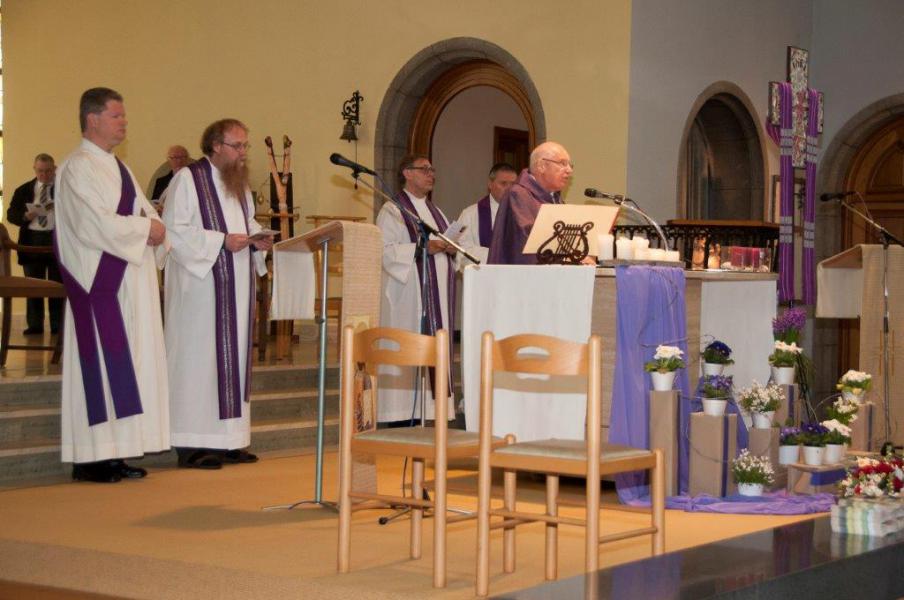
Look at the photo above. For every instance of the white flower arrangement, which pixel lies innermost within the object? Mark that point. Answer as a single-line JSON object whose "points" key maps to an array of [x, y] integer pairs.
{"points": [[784, 355], [855, 381], [836, 426], [666, 359], [761, 399], [749, 468]]}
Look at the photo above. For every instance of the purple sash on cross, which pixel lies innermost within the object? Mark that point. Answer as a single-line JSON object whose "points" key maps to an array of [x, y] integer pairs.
{"points": [[434, 308], [99, 307], [229, 386], [485, 221]]}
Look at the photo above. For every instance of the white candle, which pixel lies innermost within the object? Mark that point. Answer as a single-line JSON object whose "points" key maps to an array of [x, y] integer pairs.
{"points": [[639, 243], [656, 254], [623, 249], [641, 254], [605, 243], [672, 255]]}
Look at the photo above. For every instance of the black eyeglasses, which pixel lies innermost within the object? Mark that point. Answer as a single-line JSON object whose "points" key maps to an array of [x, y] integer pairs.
{"points": [[562, 163], [237, 146], [425, 170]]}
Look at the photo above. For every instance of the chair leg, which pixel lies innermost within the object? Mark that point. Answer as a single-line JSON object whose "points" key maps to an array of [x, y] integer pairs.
{"points": [[552, 529], [510, 480], [417, 514], [657, 503], [439, 525], [592, 534], [345, 511], [484, 482], [4, 332]]}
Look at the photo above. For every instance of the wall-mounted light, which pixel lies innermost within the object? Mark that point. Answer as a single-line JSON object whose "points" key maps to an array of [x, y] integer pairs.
{"points": [[351, 113]]}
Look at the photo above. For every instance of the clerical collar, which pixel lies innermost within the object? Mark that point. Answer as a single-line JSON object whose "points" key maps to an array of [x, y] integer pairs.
{"points": [[94, 148], [413, 197]]}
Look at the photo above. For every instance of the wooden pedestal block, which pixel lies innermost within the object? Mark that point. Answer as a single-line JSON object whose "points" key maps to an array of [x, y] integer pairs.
{"points": [[807, 479], [860, 430], [792, 407], [764, 442], [713, 445], [664, 434]]}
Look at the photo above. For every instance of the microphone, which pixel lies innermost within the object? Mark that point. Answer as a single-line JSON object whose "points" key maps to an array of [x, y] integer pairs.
{"points": [[338, 159], [594, 193], [835, 196]]}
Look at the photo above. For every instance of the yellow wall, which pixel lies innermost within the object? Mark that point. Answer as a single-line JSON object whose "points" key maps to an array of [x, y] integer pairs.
{"points": [[287, 66]]}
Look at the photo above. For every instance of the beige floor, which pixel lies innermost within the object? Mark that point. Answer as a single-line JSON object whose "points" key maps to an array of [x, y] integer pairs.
{"points": [[194, 534]]}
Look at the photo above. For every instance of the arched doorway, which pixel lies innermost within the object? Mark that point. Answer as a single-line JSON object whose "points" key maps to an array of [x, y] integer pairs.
{"points": [[427, 82], [721, 164]]}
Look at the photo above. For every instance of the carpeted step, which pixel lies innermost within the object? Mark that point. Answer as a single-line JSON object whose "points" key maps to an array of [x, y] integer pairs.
{"points": [[292, 404], [18, 425], [285, 434]]}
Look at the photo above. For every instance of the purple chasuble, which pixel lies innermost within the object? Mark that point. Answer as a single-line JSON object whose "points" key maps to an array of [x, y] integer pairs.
{"points": [[485, 221], [229, 380], [434, 308], [515, 218], [99, 308]]}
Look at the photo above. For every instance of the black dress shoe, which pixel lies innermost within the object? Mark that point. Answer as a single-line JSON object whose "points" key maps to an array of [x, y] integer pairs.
{"points": [[98, 472], [33, 331], [127, 471], [199, 458], [238, 456]]}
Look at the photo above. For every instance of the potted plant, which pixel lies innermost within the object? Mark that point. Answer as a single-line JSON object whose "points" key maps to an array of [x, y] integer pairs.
{"points": [[854, 384], [788, 325], [716, 392], [838, 434], [874, 478], [662, 368], [789, 441], [752, 473], [715, 356], [783, 360], [761, 402], [813, 437]]}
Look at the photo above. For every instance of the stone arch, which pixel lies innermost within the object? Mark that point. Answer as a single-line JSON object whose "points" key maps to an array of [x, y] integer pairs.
{"points": [[750, 145], [440, 71]]}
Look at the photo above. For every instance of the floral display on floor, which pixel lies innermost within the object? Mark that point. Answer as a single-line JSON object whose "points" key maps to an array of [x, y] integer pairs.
{"points": [[874, 478], [752, 473], [872, 501]]}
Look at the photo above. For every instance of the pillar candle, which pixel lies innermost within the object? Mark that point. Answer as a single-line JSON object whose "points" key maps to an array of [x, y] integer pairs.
{"points": [[672, 255], [605, 243], [623, 248], [656, 254]]}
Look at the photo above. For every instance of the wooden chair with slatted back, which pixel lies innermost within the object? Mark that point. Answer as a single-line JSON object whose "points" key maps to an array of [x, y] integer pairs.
{"points": [[24, 287], [540, 354], [365, 351]]}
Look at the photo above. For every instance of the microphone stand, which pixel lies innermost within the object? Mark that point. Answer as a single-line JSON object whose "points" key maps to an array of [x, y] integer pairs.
{"points": [[887, 239], [624, 203], [425, 230]]}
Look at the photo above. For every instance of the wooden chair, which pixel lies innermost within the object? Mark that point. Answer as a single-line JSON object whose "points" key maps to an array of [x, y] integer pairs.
{"points": [[438, 443], [578, 458], [23, 287]]}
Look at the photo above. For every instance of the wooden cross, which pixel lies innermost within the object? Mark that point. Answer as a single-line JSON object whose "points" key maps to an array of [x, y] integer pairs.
{"points": [[798, 77]]}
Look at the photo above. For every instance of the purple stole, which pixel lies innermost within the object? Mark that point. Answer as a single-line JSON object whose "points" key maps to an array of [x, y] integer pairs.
{"points": [[229, 380], [485, 221], [434, 308], [809, 255], [99, 307]]}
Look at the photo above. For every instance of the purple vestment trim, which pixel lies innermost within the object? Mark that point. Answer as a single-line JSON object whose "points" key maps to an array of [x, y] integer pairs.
{"points": [[650, 310], [434, 308], [485, 221], [100, 308], [229, 386], [809, 254], [786, 175]]}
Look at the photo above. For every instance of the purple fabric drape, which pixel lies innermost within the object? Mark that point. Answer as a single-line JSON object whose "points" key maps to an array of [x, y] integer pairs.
{"points": [[650, 311], [434, 308], [230, 391], [99, 307], [809, 254], [786, 175], [485, 221], [776, 503]]}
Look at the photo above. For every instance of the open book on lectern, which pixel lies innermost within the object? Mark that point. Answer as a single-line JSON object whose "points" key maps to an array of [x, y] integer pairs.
{"points": [[565, 233]]}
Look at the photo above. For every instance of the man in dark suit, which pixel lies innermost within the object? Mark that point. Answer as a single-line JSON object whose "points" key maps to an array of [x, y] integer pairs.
{"points": [[32, 210], [177, 157]]}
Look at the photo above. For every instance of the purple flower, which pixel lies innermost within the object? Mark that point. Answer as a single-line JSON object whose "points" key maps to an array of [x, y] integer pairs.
{"points": [[789, 436], [792, 319], [717, 386]]}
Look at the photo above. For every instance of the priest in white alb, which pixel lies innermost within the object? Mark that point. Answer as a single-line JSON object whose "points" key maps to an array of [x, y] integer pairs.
{"points": [[401, 301], [478, 219], [210, 275], [114, 400]]}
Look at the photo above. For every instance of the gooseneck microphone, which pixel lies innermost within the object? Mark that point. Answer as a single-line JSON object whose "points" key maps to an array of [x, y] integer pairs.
{"points": [[338, 159], [835, 196], [595, 193]]}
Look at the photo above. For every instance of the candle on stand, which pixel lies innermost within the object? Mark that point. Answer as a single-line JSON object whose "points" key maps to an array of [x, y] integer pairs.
{"points": [[656, 254], [605, 243], [672, 255], [639, 243], [624, 250]]}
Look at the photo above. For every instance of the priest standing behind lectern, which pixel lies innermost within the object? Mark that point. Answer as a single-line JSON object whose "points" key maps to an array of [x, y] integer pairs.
{"points": [[549, 172], [401, 301]]}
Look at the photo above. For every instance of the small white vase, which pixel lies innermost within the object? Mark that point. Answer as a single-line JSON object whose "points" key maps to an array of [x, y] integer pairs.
{"points": [[750, 489], [783, 375], [788, 455], [662, 382], [712, 369], [833, 455], [858, 396], [813, 455], [714, 407], [763, 420]]}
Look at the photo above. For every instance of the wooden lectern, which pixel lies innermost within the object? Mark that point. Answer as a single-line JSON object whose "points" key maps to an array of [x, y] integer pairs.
{"points": [[850, 286], [362, 252]]}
